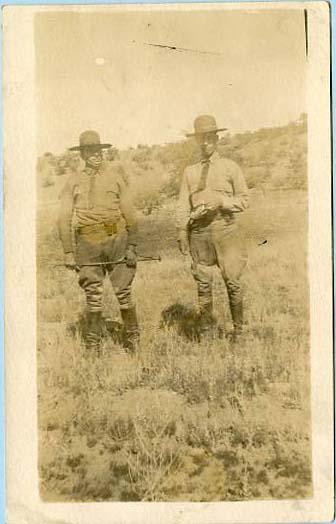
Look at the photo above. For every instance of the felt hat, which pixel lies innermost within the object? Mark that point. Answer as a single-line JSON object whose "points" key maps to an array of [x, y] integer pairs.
{"points": [[205, 124], [89, 139]]}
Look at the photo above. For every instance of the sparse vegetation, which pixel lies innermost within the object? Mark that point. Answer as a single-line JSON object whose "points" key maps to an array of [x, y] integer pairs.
{"points": [[271, 158], [182, 421]]}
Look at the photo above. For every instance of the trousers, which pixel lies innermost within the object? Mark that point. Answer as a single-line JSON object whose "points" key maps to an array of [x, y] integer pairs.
{"points": [[102, 248], [220, 245]]}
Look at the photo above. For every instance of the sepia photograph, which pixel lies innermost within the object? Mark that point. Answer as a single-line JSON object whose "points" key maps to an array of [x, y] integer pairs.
{"points": [[173, 298]]}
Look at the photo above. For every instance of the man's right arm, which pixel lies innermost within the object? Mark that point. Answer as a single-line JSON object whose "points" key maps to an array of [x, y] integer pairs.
{"points": [[183, 215], [183, 206], [65, 216]]}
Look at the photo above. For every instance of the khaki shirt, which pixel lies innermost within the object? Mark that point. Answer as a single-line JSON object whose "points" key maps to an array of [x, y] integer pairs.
{"points": [[225, 178], [95, 197]]}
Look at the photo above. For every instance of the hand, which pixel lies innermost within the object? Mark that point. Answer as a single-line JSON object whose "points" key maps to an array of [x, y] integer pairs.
{"points": [[227, 203], [183, 242], [70, 262], [131, 256], [212, 199]]}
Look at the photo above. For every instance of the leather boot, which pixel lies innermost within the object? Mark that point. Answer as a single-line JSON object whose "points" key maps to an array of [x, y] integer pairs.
{"points": [[131, 329], [237, 319], [93, 333], [206, 318]]}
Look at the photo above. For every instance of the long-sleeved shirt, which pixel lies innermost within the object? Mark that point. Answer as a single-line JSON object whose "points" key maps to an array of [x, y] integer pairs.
{"points": [[95, 197], [224, 178]]}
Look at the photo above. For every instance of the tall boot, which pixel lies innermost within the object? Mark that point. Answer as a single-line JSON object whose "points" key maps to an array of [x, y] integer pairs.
{"points": [[131, 329], [237, 319], [206, 317], [93, 332]]}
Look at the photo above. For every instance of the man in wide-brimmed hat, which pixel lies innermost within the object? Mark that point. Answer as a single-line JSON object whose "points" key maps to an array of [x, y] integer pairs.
{"points": [[213, 192], [96, 203]]}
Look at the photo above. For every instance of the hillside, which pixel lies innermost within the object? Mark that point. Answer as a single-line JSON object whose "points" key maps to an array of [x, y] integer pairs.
{"points": [[270, 158]]}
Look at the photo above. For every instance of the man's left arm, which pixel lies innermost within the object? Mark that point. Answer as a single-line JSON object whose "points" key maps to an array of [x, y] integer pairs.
{"points": [[129, 213], [240, 199]]}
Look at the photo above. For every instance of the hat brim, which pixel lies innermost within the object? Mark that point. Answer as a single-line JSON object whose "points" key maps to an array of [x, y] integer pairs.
{"points": [[100, 146], [205, 132]]}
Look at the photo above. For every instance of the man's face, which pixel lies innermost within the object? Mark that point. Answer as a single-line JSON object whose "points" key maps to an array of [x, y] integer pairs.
{"points": [[207, 143], [92, 156]]}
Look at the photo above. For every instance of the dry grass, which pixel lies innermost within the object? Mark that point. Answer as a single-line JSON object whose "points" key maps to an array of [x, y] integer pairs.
{"points": [[182, 421]]}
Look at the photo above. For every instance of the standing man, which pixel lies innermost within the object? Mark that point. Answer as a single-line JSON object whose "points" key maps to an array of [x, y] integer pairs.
{"points": [[98, 230], [213, 192]]}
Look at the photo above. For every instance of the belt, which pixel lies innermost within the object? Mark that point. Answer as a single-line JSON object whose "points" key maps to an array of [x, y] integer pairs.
{"points": [[202, 217], [109, 228]]}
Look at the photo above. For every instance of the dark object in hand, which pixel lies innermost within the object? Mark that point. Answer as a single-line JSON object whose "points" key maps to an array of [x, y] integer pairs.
{"points": [[131, 256]]}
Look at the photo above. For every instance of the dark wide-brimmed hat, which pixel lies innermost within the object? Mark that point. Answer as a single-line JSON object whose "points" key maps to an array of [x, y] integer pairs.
{"points": [[89, 139], [205, 124]]}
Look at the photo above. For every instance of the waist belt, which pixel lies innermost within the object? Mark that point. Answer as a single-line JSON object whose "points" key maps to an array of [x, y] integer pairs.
{"points": [[202, 217], [108, 228]]}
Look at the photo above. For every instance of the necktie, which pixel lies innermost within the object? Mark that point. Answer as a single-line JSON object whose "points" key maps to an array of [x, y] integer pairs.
{"points": [[204, 175], [92, 190], [202, 181]]}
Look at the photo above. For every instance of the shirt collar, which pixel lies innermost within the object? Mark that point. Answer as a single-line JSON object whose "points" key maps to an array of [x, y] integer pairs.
{"points": [[214, 157], [89, 171]]}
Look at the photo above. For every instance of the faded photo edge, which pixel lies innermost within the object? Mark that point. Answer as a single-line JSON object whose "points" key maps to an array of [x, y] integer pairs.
{"points": [[20, 305]]}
